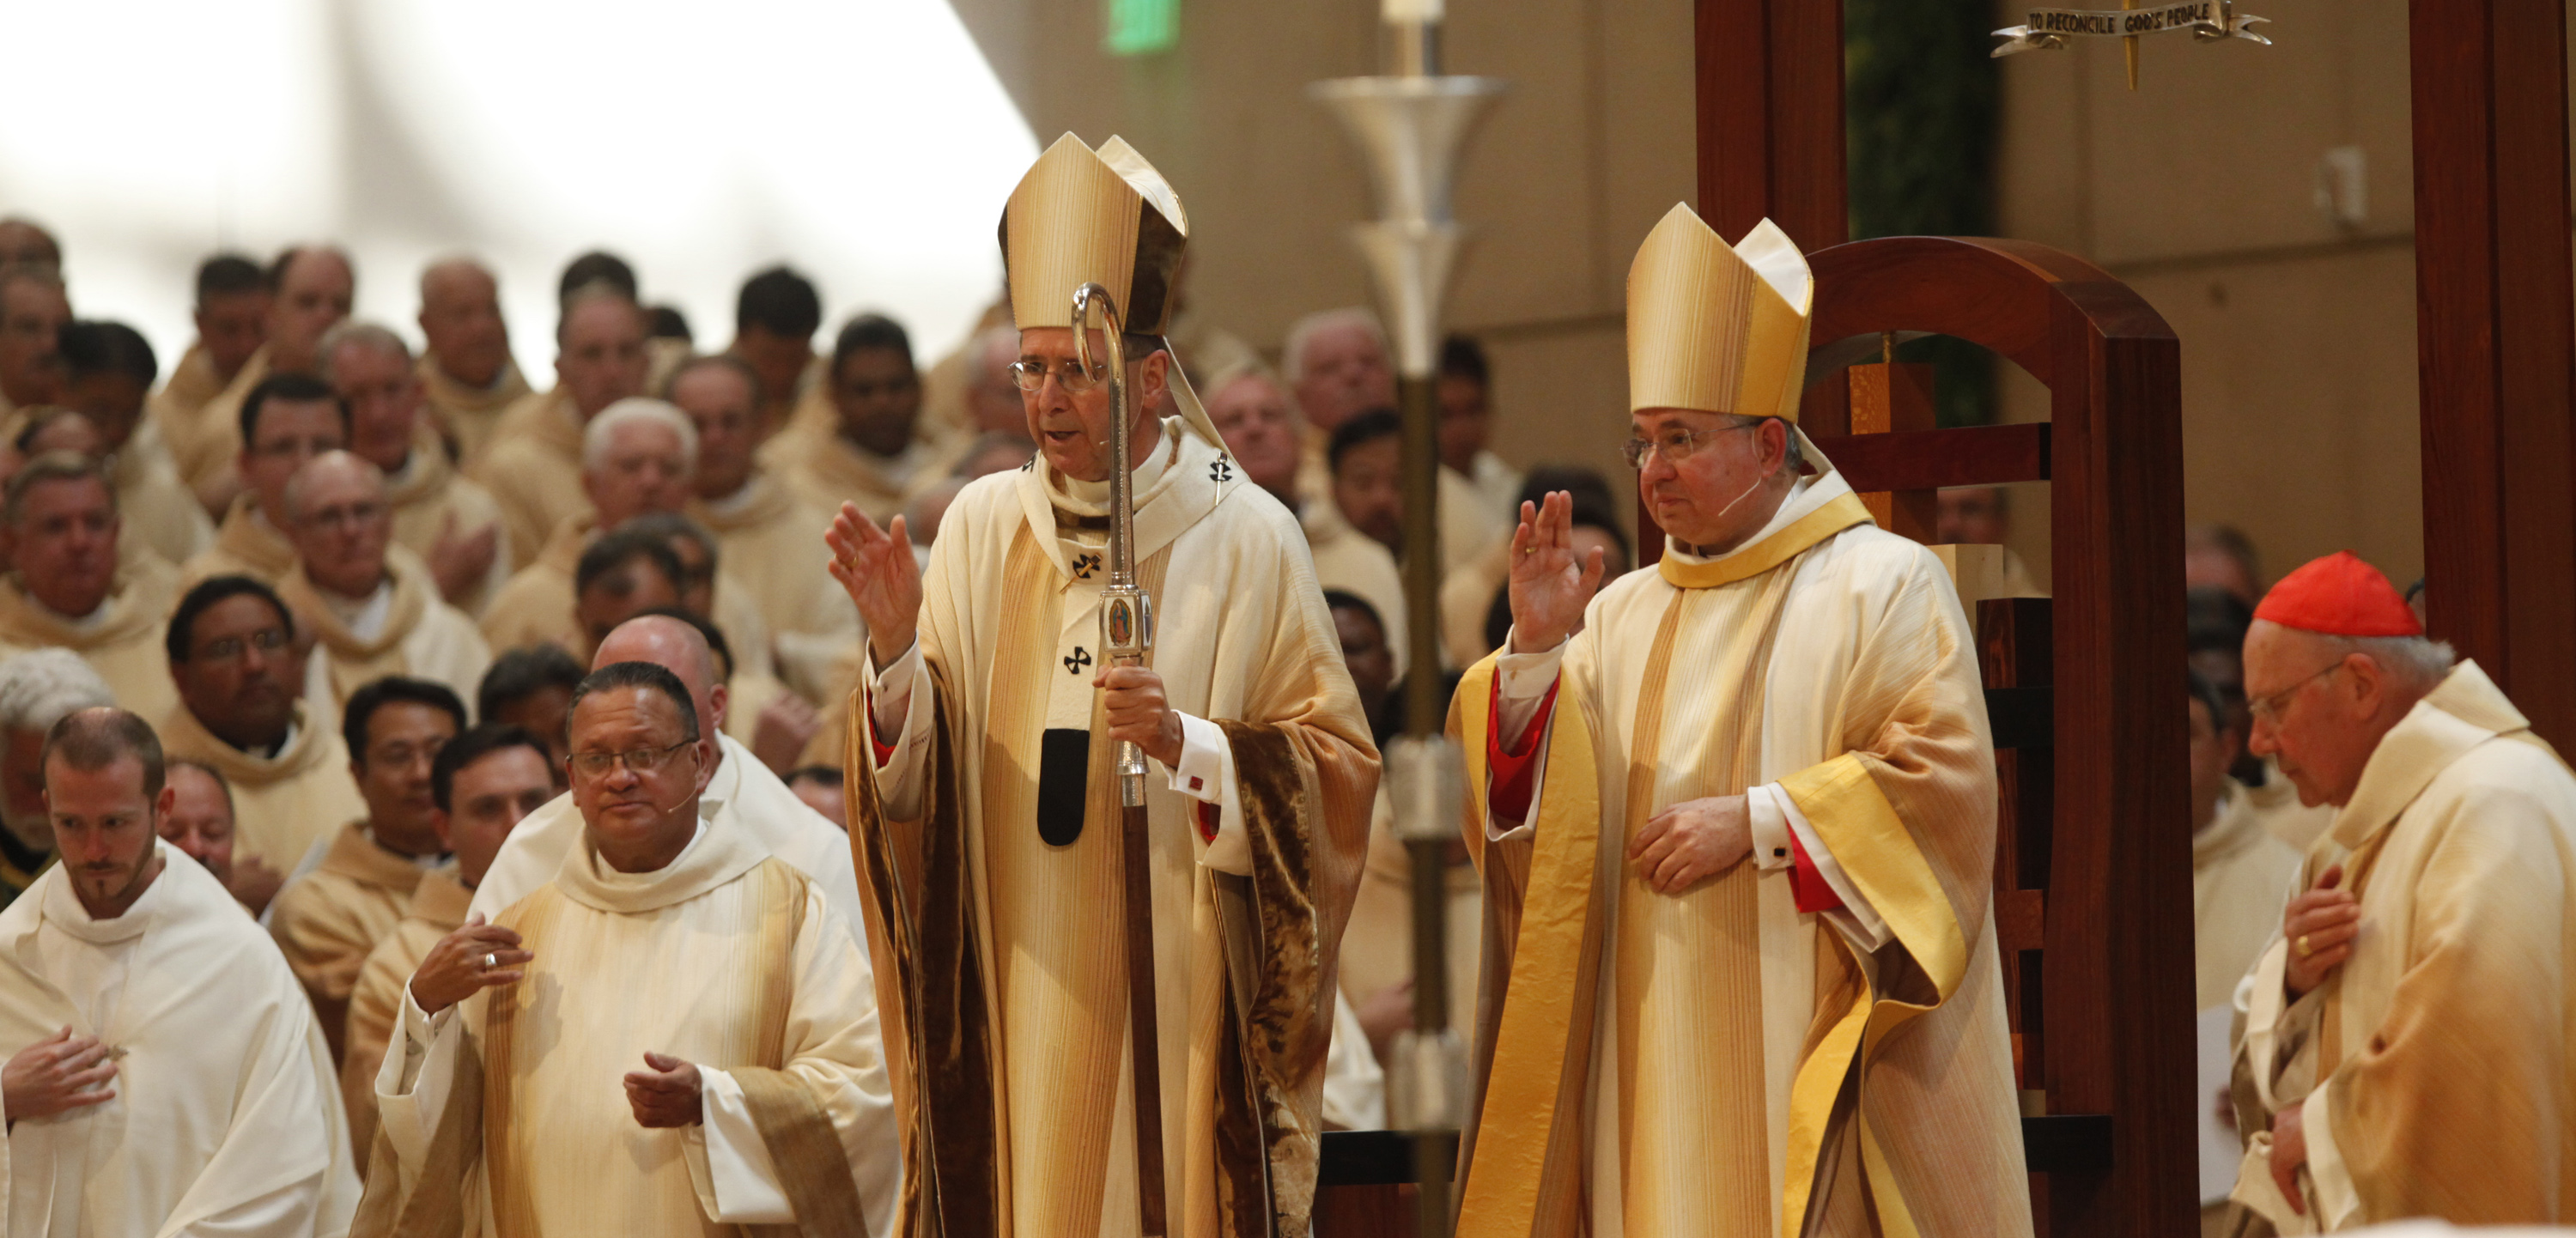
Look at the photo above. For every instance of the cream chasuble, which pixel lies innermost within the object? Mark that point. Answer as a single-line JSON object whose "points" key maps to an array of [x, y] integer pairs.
{"points": [[282, 804], [823, 470], [536, 607], [988, 855], [1656, 1064], [2433, 1063], [771, 544], [504, 1115], [469, 414], [191, 383], [403, 629], [225, 1120], [1353, 562], [429, 499], [2240, 878], [246, 544], [327, 920], [533, 469], [436, 908], [154, 503], [122, 642], [205, 442]]}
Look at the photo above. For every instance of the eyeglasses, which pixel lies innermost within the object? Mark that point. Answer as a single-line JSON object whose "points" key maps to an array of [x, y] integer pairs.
{"points": [[225, 649], [2267, 709], [354, 516], [597, 765], [1032, 374], [1673, 444]]}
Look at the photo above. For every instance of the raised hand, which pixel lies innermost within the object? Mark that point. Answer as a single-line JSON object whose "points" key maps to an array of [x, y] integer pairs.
{"points": [[2319, 925], [667, 1094], [1550, 587], [59, 1073], [876, 568], [475, 957], [459, 562]]}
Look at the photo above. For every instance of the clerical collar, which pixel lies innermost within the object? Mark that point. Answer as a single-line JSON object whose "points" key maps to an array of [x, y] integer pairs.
{"points": [[364, 617], [1792, 507], [274, 751], [1091, 498]]}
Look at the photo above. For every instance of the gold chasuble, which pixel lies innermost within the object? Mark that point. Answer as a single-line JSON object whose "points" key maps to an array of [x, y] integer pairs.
{"points": [[503, 1116], [986, 831], [282, 803], [2433, 1064], [122, 642], [1721, 1062], [532, 466]]}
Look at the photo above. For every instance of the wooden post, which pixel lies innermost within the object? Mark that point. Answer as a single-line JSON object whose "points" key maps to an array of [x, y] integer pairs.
{"points": [[2494, 322], [1890, 397]]}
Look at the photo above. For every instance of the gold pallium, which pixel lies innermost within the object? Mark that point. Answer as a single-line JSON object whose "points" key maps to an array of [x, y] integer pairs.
{"points": [[1717, 328], [1101, 217]]}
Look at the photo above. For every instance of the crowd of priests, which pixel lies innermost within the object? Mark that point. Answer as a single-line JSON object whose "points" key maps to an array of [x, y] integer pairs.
{"points": [[681, 800]]}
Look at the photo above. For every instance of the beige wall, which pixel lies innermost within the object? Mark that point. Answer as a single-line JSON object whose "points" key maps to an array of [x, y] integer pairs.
{"points": [[2198, 189], [1591, 146], [2298, 335]]}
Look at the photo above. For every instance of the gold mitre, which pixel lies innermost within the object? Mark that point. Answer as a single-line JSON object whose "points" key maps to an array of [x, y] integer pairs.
{"points": [[1101, 217], [1714, 327]]}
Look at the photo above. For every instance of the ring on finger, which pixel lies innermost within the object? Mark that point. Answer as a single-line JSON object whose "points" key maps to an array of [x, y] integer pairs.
{"points": [[491, 961], [2304, 948]]}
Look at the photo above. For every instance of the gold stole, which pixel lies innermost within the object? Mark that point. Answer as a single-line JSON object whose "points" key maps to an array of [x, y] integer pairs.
{"points": [[354, 661]]}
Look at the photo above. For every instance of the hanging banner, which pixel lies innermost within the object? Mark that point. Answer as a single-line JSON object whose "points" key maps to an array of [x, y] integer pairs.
{"points": [[2207, 20]]}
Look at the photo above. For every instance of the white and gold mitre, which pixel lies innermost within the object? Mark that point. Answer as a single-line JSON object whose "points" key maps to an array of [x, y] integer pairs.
{"points": [[1715, 327], [1101, 217]]}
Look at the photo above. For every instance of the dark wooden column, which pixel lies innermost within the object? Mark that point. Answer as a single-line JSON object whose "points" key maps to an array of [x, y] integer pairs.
{"points": [[2496, 343]]}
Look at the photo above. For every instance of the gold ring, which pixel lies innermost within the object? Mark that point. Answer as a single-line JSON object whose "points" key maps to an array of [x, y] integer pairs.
{"points": [[1529, 550], [2304, 949]]}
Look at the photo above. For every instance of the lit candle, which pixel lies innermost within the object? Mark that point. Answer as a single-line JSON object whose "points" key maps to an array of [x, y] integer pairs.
{"points": [[1396, 11]]}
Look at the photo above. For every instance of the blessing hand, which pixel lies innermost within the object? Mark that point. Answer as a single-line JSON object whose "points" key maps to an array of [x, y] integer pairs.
{"points": [[876, 568], [1549, 584]]}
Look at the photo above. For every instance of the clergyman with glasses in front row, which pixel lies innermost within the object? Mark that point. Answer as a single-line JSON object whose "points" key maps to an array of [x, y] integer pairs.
{"points": [[1775, 743]]}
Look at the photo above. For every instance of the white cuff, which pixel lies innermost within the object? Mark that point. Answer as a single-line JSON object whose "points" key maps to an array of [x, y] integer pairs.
{"points": [[1857, 920], [412, 1084], [890, 690], [1525, 676], [1770, 828], [729, 1162], [1206, 775], [2338, 1201]]}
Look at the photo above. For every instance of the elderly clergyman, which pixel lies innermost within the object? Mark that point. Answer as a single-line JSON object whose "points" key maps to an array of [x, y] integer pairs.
{"points": [[672, 1031], [985, 751], [2405, 1048], [1736, 819], [165, 1075], [374, 604]]}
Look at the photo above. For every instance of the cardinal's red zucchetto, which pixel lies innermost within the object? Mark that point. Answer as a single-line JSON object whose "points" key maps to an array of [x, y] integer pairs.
{"points": [[2339, 595]]}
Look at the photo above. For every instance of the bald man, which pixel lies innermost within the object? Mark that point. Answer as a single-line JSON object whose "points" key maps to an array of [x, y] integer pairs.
{"points": [[286, 420], [450, 522], [534, 464], [311, 288], [742, 793], [466, 370], [373, 604]]}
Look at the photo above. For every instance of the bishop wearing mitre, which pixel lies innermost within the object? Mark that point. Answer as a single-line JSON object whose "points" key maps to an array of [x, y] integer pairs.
{"points": [[1736, 823], [985, 811], [672, 1036]]}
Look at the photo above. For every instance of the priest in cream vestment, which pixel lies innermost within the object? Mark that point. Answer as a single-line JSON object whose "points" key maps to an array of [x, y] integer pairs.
{"points": [[242, 711], [292, 419], [2406, 1044], [465, 369], [70, 590], [984, 808], [191, 1093], [1737, 832], [372, 603], [533, 462], [451, 523], [675, 1035]]}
